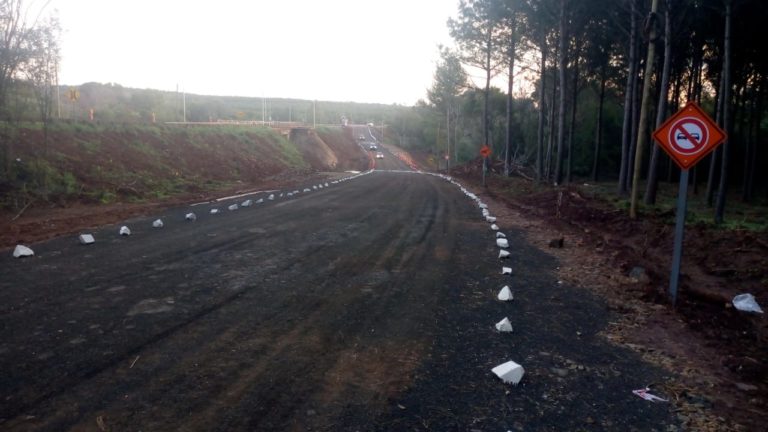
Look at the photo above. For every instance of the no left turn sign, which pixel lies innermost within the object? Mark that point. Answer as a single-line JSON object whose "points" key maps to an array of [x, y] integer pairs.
{"points": [[689, 135]]}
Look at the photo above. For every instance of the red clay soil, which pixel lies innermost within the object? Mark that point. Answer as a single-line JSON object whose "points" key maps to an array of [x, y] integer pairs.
{"points": [[718, 353], [202, 163]]}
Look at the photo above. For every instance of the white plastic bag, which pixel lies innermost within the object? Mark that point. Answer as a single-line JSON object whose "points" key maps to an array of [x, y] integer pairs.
{"points": [[746, 303]]}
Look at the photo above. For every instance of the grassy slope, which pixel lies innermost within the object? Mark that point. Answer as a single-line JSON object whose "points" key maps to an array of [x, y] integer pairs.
{"points": [[116, 162]]}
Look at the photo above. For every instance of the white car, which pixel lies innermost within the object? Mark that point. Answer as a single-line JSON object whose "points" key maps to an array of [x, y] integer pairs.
{"points": [[372, 147], [361, 137], [379, 155]]}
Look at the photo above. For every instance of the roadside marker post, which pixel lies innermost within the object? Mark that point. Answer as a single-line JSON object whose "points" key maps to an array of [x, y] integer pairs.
{"points": [[687, 137], [485, 151]]}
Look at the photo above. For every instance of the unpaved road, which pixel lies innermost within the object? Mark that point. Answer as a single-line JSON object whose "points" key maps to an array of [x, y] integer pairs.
{"points": [[368, 305]]}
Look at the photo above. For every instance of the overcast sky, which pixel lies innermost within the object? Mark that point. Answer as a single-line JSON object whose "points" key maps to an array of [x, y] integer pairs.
{"points": [[343, 50]]}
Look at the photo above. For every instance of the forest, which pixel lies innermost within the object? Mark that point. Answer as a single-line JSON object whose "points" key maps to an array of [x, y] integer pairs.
{"points": [[588, 81]]}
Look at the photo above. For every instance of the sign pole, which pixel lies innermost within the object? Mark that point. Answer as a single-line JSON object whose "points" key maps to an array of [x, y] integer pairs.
{"points": [[485, 167], [485, 151], [682, 208]]}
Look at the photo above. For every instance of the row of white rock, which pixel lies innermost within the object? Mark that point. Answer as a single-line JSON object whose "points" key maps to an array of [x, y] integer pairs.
{"points": [[509, 372], [22, 251]]}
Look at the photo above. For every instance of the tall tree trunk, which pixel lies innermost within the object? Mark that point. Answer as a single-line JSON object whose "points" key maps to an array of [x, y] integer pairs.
{"points": [[447, 136], [643, 132], [572, 128], [697, 90], [754, 133], [633, 134], [552, 122], [661, 111], [486, 118], [628, 101], [715, 154], [561, 109], [599, 131], [542, 99], [723, 189], [510, 100]]}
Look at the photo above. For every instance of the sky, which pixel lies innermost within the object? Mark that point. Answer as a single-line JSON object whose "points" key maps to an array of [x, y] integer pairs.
{"points": [[336, 50]]}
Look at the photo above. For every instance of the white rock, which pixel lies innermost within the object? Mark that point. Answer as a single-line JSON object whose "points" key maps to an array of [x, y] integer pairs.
{"points": [[233, 207], [86, 239], [158, 223], [506, 294], [503, 254], [509, 372], [506, 270], [246, 203], [271, 197], [501, 235], [490, 219], [494, 227], [504, 326], [502, 243], [22, 251], [125, 231], [214, 211], [190, 217]]}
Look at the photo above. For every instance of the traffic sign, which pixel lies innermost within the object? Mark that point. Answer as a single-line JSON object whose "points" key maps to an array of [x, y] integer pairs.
{"points": [[485, 151], [689, 135]]}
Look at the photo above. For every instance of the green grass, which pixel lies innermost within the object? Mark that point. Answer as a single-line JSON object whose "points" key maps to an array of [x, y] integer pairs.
{"points": [[738, 215]]}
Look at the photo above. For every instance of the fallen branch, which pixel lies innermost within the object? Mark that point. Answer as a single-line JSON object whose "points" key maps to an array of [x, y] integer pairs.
{"points": [[22, 210]]}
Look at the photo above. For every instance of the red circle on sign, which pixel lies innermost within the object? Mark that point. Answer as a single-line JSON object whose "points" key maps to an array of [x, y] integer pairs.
{"points": [[688, 136]]}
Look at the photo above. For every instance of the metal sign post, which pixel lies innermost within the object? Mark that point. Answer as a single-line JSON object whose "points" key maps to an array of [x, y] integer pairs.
{"points": [[688, 136], [485, 151], [677, 254]]}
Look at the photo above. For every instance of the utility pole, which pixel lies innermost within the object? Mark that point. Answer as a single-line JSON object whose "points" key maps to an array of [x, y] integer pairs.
{"points": [[642, 133]]}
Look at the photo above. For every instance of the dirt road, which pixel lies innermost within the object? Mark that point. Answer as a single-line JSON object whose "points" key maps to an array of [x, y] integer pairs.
{"points": [[365, 305]]}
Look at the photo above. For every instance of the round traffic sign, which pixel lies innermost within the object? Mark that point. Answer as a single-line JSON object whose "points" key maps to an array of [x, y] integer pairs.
{"points": [[688, 136]]}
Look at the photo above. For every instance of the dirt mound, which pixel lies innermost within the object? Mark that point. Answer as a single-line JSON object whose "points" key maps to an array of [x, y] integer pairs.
{"points": [[345, 148], [314, 150]]}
